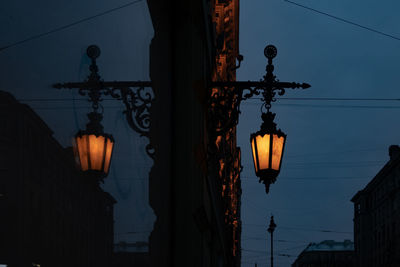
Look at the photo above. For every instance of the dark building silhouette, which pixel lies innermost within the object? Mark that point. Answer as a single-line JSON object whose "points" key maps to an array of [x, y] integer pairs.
{"points": [[377, 216], [328, 253], [131, 254], [51, 215], [194, 183]]}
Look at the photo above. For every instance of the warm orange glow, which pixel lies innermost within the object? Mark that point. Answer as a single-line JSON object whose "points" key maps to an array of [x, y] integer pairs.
{"points": [[110, 146], [94, 152], [254, 154], [277, 150], [263, 147], [82, 145]]}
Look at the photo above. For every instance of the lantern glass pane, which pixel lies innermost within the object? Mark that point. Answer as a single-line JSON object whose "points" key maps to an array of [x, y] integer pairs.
{"points": [[277, 151], [263, 143], [96, 147], [109, 149], [254, 153], [81, 143]]}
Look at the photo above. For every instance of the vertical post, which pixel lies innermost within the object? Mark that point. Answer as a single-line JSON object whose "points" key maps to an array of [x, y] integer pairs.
{"points": [[272, 249], [271, 229]]}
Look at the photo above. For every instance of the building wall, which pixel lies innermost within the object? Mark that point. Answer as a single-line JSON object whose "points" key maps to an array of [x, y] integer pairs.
{"points": [[377, 217], [51, 215], [226, 20], [185, 185]]}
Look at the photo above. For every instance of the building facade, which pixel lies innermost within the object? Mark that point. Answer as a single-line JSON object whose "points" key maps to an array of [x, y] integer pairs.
{"points": [[377, 216], [194, 182], [50, 214], [328, 253]]}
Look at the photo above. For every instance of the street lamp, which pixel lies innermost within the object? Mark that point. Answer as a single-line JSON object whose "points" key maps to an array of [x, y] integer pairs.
{"points": [[267, 146], [93, 147], [271, 230], [269, 142]]}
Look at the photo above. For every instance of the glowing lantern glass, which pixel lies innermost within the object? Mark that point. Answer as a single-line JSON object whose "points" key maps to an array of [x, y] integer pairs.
{"points": [[268, 145], [93, 148]]}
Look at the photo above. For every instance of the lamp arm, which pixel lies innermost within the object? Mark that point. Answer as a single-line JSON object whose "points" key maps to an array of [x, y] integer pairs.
{"points": [[137, 96]]}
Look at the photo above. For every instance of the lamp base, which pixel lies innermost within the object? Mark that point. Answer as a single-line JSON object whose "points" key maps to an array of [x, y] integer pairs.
{"points": [[267, 180]]}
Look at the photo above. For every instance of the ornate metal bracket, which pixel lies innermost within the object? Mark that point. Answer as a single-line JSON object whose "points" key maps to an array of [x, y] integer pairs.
{"points": [[225, 102], [137, 96]]}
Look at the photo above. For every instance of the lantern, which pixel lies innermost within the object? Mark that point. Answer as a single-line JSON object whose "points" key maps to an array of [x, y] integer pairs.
{"points": [[93, 148], [267, 146]]}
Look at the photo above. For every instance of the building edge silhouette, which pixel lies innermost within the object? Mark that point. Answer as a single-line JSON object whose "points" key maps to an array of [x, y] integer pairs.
{"points": [[377, 216], [52, 215]]}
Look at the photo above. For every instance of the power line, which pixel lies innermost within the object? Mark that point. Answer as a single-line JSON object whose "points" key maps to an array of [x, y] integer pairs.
{"points": [[332, 106], [278, 251], [68, 25], [336, 152], [302, 229], [334, 99], [337, 162], [66, 107], [277, 104], [49, 100], [312, 178], [278, 240], [344, 20], [254, 98]]}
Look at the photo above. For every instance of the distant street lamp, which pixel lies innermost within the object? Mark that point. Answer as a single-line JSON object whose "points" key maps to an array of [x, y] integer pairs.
{"points": [[267, 144], [271, 230]]}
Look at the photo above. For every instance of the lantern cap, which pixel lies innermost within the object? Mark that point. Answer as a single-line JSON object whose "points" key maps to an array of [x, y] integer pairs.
{"points": [[94, 126], [81, 133], [268, 126]]}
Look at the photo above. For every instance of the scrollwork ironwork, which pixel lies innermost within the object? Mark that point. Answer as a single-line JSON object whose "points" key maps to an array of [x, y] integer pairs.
{"points": [[233, 92]]}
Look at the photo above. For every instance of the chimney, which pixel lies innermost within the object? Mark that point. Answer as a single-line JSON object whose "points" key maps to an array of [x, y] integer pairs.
{"points": [[394, 151]]}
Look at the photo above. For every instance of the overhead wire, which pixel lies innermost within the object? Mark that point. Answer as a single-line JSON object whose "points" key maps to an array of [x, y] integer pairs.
{"points": [[312, 178], [279, 98], [344, 20], [37, 36], [336, 106], [332, 106], [302, 229]]}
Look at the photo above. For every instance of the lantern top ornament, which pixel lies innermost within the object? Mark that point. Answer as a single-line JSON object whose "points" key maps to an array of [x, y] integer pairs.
{"points": [[270, 51]]}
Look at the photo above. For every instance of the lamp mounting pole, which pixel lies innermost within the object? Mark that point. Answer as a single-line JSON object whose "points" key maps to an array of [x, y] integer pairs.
{"points": [[137, 96]]}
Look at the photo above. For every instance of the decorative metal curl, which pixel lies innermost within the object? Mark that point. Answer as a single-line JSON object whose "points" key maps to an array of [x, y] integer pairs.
{"points": [[138, 103]]}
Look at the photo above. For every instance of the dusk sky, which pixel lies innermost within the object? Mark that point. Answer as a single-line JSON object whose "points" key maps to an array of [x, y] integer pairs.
{"points": [[333, 148]]}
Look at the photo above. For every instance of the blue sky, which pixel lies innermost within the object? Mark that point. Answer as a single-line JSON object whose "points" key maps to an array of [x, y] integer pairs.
{"points": [[333, 147]]}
